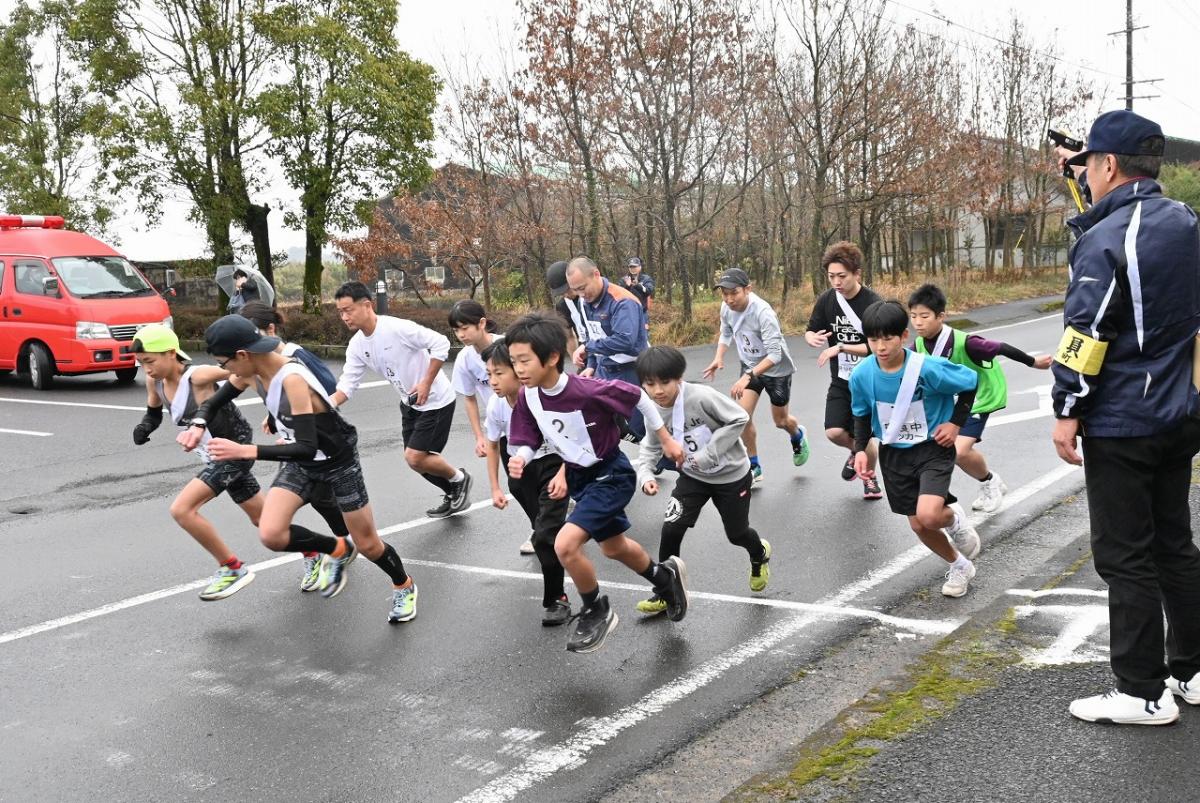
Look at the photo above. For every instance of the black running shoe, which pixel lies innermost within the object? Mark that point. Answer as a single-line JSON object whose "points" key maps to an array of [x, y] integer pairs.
{"points": [[443, 510], [556, 613], [675, 591], [848, 472], [592, 627], [460, 494]]}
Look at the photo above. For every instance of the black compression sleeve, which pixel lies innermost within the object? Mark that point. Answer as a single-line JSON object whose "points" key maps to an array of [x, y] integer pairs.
{"points": [[149, 423], [962, 407], [224, 395], [1014, 353], [303, 448], [862, 432]]}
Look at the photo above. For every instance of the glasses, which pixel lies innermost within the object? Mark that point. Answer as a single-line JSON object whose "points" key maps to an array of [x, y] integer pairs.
{"points": [[222, 363]]}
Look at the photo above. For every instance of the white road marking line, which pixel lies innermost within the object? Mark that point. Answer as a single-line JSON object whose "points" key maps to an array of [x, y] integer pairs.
{"points": [[1014, 325], [923, 626], [575, 749], [27, 432], [1058, 592], [239, 402], [1082, 621]]}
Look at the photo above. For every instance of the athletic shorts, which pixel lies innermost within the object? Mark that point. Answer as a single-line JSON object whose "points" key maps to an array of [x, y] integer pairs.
{"points": [[924, 469], [231, 476], [974, 426], [426, 430], [731, 499], [838, 414], [778, 388], [601, 493], [313, 484]]}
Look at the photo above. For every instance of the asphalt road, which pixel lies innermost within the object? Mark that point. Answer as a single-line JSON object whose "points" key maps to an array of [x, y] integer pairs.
{"points": [[118, 683]]}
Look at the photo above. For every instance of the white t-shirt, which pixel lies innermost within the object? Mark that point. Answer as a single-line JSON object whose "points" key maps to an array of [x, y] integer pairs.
{"points": [[497, 421], [398, 350], [470, 376]]}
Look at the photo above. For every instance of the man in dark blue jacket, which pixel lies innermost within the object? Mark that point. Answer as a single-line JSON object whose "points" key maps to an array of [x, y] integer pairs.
{"points": [[638, 282], [1123, 381]]}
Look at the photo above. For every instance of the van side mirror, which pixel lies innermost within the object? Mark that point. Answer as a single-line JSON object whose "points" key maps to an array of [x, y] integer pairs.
{"points": [[50, 286]]}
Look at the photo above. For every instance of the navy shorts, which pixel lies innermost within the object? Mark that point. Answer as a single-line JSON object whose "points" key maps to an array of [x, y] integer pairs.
{"points": [[231, 476], [601, 493], [974, 426], [314, 484]]}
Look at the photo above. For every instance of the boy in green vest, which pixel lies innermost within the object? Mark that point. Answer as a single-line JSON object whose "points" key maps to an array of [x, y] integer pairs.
{"points": [[927, 311]]}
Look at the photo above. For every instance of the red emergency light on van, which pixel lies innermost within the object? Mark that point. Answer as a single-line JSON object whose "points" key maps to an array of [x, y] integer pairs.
{"points": [[69, 304]]}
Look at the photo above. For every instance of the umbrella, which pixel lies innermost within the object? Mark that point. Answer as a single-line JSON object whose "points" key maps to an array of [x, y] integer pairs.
{"points": [[224, 280]]}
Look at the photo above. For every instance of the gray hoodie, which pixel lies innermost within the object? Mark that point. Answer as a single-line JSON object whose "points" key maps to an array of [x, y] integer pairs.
{"points": [[709, 427], [755, 333]]}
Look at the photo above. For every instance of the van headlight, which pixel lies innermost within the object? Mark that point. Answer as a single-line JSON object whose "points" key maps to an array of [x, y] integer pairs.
{"points": [[169, 322], [89, 330]]}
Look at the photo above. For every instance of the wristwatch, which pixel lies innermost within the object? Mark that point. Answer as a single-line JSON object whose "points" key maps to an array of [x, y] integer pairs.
{"points": [[200, 422]]}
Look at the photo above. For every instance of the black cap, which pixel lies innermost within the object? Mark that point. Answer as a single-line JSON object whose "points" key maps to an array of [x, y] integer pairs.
{"points": [[233, 333], [634, 262], [1122, 132], [556, 277], [733, 278]]}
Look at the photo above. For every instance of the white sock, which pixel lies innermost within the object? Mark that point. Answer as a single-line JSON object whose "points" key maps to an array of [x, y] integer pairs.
{"points": [[953, 526], [961, 562], [458, 475]]}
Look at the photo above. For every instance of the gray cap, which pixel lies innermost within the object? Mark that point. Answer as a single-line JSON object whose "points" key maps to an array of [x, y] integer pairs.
{"points": [[556, 277]]}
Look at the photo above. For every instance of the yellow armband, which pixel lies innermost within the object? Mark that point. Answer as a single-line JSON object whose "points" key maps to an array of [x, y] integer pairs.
{"points": [[1080, 352]]}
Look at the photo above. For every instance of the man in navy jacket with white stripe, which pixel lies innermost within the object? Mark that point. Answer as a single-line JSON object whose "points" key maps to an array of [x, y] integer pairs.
{"points": [[1123, 381]]}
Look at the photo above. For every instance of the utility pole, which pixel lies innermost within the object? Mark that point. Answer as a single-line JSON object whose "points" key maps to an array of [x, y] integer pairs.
{"points": [[1129, 82]]}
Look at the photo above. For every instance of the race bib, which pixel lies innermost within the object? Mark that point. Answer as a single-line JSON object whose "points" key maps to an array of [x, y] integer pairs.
{"points": [[568, 434], [595, 330], [913, 429], [694, 441], [847, 363], [750, 348]]}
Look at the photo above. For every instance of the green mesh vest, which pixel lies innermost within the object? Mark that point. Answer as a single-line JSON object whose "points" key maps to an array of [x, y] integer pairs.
{"points": [[992, 393]]}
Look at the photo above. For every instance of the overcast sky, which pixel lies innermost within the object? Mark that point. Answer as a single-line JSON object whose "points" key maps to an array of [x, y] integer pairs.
{"points": [[449, 33]]}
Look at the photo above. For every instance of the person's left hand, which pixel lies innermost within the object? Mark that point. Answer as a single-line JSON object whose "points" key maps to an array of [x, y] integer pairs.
{"points": [[557, 487], [1066, 430], [827, 355], [1043, 362], [739, 387], [673, 451], [225, 449], [579, 357], [189, 439], [480, 447], [946, 434]]}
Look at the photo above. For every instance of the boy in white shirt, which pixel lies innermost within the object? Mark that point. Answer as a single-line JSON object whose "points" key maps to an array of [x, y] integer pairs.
{"points": [[410, 357]]}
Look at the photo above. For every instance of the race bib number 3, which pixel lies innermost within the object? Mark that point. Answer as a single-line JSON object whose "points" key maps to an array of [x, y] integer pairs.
{"points": [[915, 428]]}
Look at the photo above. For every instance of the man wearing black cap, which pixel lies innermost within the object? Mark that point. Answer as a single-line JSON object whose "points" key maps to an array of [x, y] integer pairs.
{"points": [[569, 306], [1123, 380], [637, 282]]}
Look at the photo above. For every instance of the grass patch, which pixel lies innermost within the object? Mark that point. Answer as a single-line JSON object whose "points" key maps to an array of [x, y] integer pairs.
{"points": [[1051, 306]]}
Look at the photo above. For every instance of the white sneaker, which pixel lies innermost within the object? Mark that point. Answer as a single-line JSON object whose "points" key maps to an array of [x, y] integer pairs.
{"points": [[991, 494], [1189, 690], [957, 580], [1118, 708], [527, 547], [964, 536]]}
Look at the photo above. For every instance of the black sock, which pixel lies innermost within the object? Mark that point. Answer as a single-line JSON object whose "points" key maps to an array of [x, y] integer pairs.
{"points": [[590, 597], [750, 542], [302, 539], [657, 575], [440, 482], [988, 477], [390, 562]]}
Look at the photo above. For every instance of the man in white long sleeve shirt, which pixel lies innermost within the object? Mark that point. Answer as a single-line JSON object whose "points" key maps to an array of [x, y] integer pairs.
{"points": [[410, 356]]}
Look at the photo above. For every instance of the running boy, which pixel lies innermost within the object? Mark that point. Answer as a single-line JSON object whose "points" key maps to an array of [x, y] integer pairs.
{"points": [[320, 447], [751, 324], [180, 387], [907, 400], [576, 416], [541, 490], [409, 356], [715, 467], [837, 316], [927, 310]]}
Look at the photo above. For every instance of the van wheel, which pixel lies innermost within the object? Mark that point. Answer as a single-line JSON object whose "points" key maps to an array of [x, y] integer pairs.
{"points": [[126, 375], [41, 366]]}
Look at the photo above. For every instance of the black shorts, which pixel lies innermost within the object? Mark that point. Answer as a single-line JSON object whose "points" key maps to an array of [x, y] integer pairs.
{"points": [[731, 499], [778, 388], [232, 477], [838, 414], [325, 503], [924, 469], [314, 484], [426, 430]]}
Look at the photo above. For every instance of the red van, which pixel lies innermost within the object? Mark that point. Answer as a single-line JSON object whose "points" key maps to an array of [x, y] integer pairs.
{"points": [[69, 304]]}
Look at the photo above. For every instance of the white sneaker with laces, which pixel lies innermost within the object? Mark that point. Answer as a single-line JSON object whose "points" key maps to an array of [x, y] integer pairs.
{"points": [[964, 536], [527, 547], [1118, 708], [991, 494], [1189, 690], [957, 580]]}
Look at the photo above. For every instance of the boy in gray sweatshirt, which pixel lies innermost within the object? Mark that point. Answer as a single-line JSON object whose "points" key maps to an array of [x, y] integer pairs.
{"points": [[709, 425]]}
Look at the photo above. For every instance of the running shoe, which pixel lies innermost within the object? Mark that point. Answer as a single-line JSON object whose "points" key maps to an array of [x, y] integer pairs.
{"points": [[675, 590], [404, 604], [957, 580], [1118, 708], [653, 606], [871, 489], [227, 582], [311, 580], [526, 547], [757, 480], [1189, 690], [800, 449], [848, 472], [442, 510], [760, 573], [460, 493], [592, 627], [557, 612], [991, 494], [333, 572]]}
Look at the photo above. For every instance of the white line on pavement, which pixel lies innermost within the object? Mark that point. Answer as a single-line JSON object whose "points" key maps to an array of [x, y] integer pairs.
{"points": [[27, 432], [1014, 325], [575, 749], [1058, 592], [239, 402]]}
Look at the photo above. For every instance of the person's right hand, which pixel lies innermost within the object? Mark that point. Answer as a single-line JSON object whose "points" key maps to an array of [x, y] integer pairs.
{"points": [[499, 500], [650, 487], [860, 466], [516, 467], [817, 340], [189, 439], [711, 370]]}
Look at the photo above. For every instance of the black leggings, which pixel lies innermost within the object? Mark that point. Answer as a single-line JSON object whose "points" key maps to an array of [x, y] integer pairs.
{"points": [[546, 515], [732, 501]]}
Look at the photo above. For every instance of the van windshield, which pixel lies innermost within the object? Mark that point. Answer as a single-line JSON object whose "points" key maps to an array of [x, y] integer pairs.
{"points": [[100, 277]]}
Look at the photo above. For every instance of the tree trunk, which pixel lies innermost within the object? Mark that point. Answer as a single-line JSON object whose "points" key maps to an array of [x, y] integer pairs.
{"points": [[255, 222], [314, 240]]}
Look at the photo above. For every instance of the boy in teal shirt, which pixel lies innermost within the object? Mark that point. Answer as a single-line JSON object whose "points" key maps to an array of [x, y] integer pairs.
{"points": [[915, 405]]}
